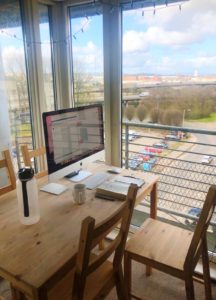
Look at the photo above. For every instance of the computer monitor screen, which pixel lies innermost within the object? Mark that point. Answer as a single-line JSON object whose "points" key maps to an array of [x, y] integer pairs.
{"points": [[72, 136]]}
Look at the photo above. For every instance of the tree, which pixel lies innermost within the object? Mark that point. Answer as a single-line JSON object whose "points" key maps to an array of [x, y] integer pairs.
{"points": [[172, 117], [141, 111], [155, 115], [129, 112]]}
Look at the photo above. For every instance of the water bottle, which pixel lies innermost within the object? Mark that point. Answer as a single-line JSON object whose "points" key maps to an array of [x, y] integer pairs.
{"points": [[27, 194]]}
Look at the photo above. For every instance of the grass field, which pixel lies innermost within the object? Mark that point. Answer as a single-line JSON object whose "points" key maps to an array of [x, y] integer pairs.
{"points": [[211, 118]]}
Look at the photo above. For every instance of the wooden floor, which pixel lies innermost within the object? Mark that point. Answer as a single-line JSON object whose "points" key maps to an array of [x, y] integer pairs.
{"points": [[158, 286]]}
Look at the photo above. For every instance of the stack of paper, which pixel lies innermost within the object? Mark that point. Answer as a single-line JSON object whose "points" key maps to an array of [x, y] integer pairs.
{"points": [[112, 190]]}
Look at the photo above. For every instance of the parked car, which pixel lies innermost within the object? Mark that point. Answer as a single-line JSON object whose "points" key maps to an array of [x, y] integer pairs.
{"points": [[172, 137], [194, 211], [153, 150], [207, 159], [134, 161], [161, 144], [132, 135]]}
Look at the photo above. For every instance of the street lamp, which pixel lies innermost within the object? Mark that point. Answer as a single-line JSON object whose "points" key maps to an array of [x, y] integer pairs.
{"points": [[183, 115]]}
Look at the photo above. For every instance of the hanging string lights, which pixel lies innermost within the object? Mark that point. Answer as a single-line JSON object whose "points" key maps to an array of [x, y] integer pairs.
{"points": [[151, 7]]}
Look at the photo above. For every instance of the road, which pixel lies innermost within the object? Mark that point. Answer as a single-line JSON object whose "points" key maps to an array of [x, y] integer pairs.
{"points": [[184, 180]]}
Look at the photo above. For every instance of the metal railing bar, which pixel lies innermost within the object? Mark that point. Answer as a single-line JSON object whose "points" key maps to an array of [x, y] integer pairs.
{"points": [[177, 150], [177, 141], [182, 169], [170, 128], [182, 196], [183, 187], [176, 213], [180, 178]]}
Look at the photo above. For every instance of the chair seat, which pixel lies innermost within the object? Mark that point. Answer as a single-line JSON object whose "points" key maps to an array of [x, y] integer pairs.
{"points": [[160, 244], [98, 280]]}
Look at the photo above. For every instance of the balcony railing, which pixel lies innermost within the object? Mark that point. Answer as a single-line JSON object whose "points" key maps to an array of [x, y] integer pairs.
{"points": [[185, 161]]}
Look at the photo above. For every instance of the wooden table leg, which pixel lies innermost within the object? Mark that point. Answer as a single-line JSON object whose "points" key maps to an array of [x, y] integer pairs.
{"points": [[153, 202], [153, 215]]}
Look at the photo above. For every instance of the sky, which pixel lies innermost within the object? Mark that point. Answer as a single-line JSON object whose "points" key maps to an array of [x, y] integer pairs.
{"points": [[169, 42]]}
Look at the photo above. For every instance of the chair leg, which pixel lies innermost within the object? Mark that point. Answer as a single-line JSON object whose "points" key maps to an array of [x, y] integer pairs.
{"points": [[206, 271], [127, 274], [17, 295], [120, 285], [189, 287]]}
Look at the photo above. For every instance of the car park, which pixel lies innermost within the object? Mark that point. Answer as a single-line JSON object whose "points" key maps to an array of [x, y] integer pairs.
{"points": [[206, 159]]}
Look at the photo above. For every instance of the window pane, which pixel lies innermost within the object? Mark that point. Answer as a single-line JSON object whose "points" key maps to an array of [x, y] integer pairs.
{"points": [[13, 79], [169, 75], [46, 56], [87, 54], [169, 62]]}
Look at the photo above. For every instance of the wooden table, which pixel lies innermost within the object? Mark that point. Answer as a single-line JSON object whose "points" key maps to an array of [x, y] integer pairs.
{"points": [[34, 258]]}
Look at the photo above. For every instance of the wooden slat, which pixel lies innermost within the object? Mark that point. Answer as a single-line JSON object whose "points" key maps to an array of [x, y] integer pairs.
{"points": [[28, 154], [172, 249], [90, 235], [7, 163]]}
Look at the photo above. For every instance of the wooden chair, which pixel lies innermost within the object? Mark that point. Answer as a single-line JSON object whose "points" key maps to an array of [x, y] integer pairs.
{"points": [[172, 249], [95, 276], [29, 154], [7, 163]]}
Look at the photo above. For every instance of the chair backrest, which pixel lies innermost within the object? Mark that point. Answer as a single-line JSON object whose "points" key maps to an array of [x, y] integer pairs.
{"points": [[91, 235], [29, 154], [6, 162], [195, 248]]}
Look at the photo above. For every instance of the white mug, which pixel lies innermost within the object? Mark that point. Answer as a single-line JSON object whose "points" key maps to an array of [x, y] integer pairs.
{"points": [[79, 193]]}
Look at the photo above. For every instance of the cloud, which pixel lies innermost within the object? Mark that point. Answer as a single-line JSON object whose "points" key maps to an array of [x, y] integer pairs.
{"points": [[134, 41], [172, 28], [13, 60], [171, 41], [203, 61], [90, 57]]}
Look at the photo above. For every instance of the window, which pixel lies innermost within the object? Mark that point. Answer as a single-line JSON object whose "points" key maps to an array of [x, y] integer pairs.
{"points": [[169, 62], [13, 78], [87, 54], [46, 49]]}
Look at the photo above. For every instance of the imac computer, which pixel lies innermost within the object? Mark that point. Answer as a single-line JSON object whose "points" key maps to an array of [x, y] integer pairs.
{"points": [[73, 138]]}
